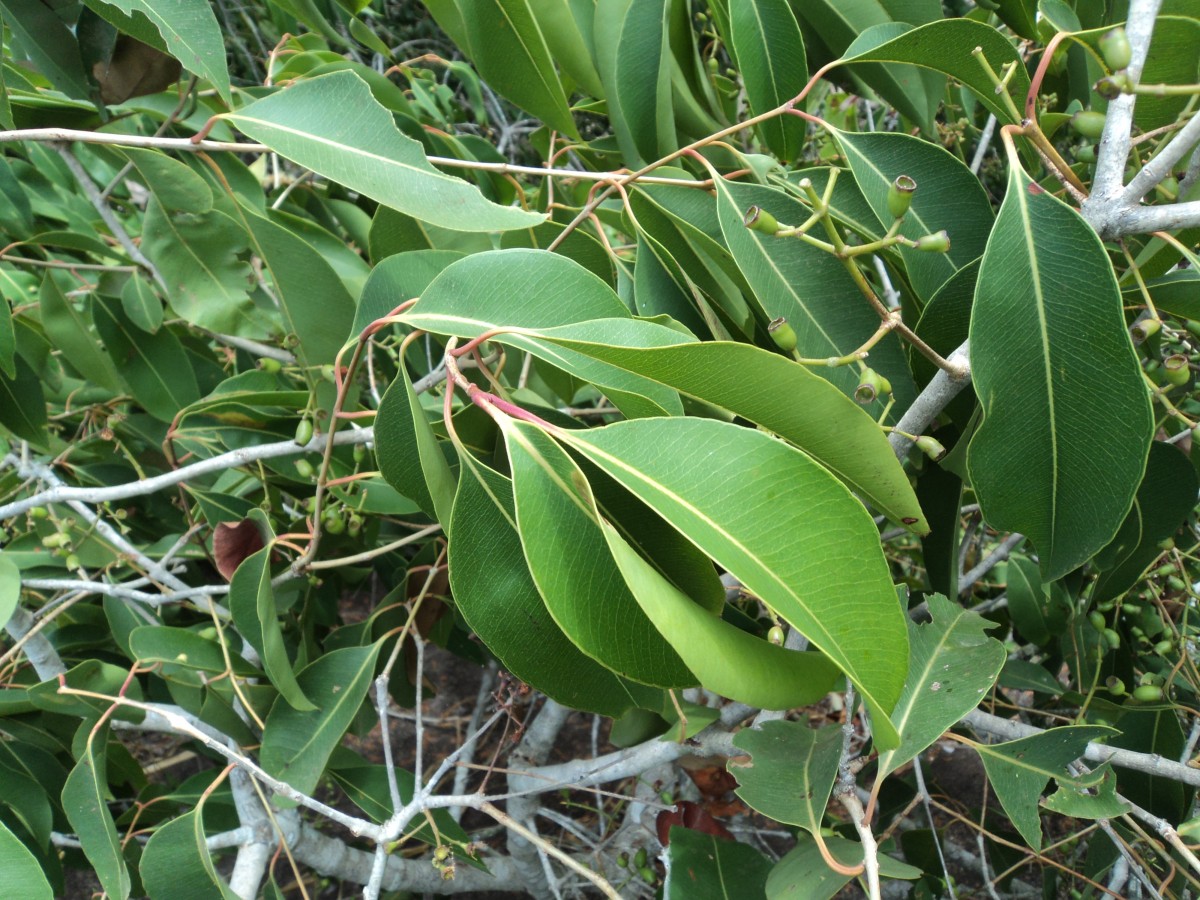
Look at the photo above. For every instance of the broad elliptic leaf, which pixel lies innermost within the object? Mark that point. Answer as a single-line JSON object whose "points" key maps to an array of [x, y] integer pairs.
{"points": [[252, 605], [751, 502], [176, 864], [189, 29], [22, 873], [573, 569], [1067, 421], [953, 665], [396, 279], [177, 186], [183, 647], [803, 873], [770, 57], [1093, 796], [408, 453], [1019, 770], [361, 148], [791, 771], [946, 46], [83, 800], [948, 197], [297, 744], [509, 50], [141, 305], [496, 595], [705, 867]]}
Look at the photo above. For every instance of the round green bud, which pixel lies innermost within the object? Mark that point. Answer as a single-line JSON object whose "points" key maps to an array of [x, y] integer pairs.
{"points": [[327, 373], [1115, 48], [73, 562], [1175, 583], [1087, 123], [270, 365], [782, 334], [1163, 647], [334, 523], [758, 219], [1086, 153], [713, 64], [1113, 639], [639, 858], [1114, 86], [38, 512], [304, 468], [648, 875], [1176, 369], [1098, 622], [938, 242], [931, 447], [1147, 693], [623, 860], [899, 196], [360, 452], [1144, 328], [775, 635], [304, 431], [1166, 544], [1115, 686]]}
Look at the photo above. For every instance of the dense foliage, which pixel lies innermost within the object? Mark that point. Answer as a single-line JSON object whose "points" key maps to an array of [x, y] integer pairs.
{"points": [[800, 386]]}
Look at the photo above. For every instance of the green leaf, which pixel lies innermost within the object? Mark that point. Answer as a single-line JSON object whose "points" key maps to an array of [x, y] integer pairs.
{"points": [[803, 873], [572, 568], [83, 800], [49, 43], [791, 771], [946, 46], [633, 57], [297, 744], [704, 867], [1018, 770], [397, 278], [953, 666], [252, 605], [770, 54], [1164, 499], [1094, 796], [182, 647], [8, 337], [496, 595], [175, 185], [745, 499], [176, 863], [948, 197], [70, 328], [141, 305], [362, 149], [22, 872], [367, 786], [23, 405], [1067, 420], [408, 452], [189, 29], [510, 52], [1037, 610], [568, 43], [154, 365], [10, 588]]}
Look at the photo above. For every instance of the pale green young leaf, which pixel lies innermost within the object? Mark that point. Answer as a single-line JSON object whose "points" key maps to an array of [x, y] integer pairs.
{"points": [[791, 771]]}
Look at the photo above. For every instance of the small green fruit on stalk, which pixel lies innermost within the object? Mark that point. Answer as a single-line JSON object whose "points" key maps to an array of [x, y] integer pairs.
{"points": [[1087, 123], [1176, 369], [931, 447], [899, 196], [1115, 49], [758, 219], [782, 334], [304, 431], [871, 385], [775, 635], [1144, 328], [939, 242]]}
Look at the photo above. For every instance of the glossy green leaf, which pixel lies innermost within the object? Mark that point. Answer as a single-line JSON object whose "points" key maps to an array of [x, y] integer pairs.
{"points": [[23, 405], [153, 365], [746, 499], [1019, 770], [10, 588], [141, 305], [252, 605], [395, 279], [42, 34], [189, 29], [1164, 499], [408, 453], [633, 57], [367, 786], [94, 676], [791, 771], [1038, 610], [1067, 421], [705, 867], [183, 647], [770, 54], [71, 329], [362, 149], [568, 43], [8, 335], [953, 665], [22, 873], [509, 50], [573, 569], [84, 800], [803, 873], [946, 46], [175, 185], [1094, 796], [1019, 15], [948, 197], [497, 596], [176, 864]]}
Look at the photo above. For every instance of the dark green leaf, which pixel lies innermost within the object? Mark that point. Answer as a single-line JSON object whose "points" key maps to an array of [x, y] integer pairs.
{"points": [[87, 810], [176, 864], [770, 53], [704, 867], [22, 873], [791, 771]]}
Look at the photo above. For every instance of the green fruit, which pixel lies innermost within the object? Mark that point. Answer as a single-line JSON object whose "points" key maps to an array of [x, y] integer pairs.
{"points": [[73, 562], [938, 242], [871, 385], [758, 219], [1145, 328], [1114, 86], [1115, 48], [304, 468], [334, 523], [1147, 693], [1162, 648], [354, 525], [304, 431], [775, 635], [270, 365], [327, 373], [1087, 123], [1115, 686], [639, 858], [1098, 622], [39, 512], [899, 196], [648, 875], [1113, 639], [360, 452], [1086, 153], [782, 334], [931, 447], [1176, 369]]}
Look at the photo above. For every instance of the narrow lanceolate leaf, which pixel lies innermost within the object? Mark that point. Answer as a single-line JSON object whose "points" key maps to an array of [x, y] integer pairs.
{"points": [[297, 744], [574, 572], [22, 873], [953, 665], [23, 404], [496, 595], [787, 529], [510, 52], [189, 29], [176, 864], [361, 148], [770, 55], [791, 771], [44, 35], [1067, 421], [408, 452], [10, 588], [252, 605], [1019, 770], [71, 330], [83, 799]]}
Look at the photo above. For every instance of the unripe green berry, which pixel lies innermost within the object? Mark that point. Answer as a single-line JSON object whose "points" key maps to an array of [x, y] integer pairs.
{"points": [[1166, 544], [713, 64], [1086, 153], [1147, 693], [360, 452], [270, 365], [782, 334], [1115, 686], [73, 562], [648, 875], [1116, 50], [38, 512], [775, 635], [1175, 583], [304, 468], [1087, 123], [871, 385], [938, 242], [327, 373], [304, 431], [1098, 622], [1176, 369], [1145, 328], [639, 858], [334, 523], [899, 196], [1113, 639], [931, 447], [623, 860], [1163, 647], [758, 219]]}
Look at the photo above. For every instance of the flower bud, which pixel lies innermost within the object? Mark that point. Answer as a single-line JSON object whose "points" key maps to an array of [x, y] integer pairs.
{"points": [[1147, 693], [270, 365], [304, 468], [1163, 647], [758, 219], [1115, 685], [1097, 620], [782, 334], [775, 635], [1085, 153], [304, 431], [1114, 86], [1115, 48], [931, 447], [1088, 124], [73, 562], [360, 452], [1113, 638], [899, 195], [938, 242], [38, 512], [1176, 369], [871, 385], [334, 523], [1144, 328]]}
